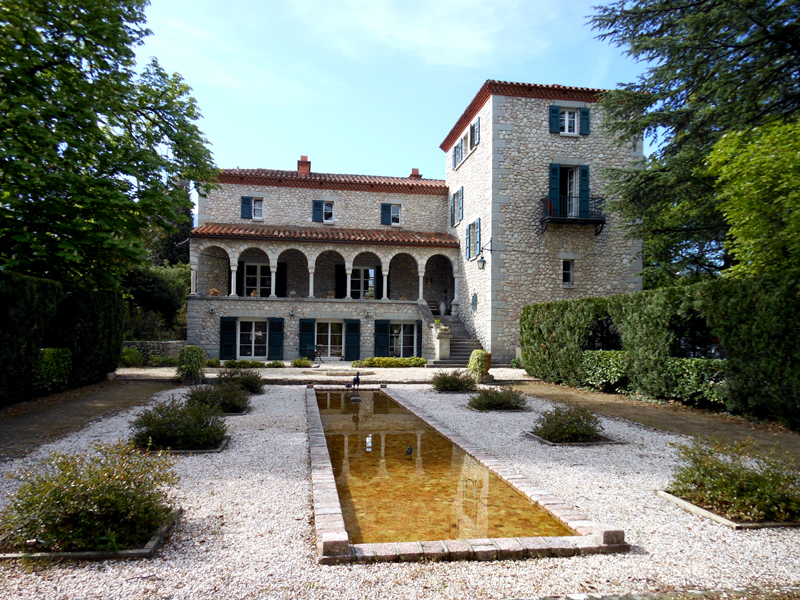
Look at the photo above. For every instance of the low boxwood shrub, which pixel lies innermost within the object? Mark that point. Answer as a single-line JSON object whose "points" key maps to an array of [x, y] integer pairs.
{"points": [[605, 370], [111, 498], [172, 424], [227, 396], [390, 362], [456, 381], [131, 357], [244, 364], [275, 364], [246, 379], [738, 481], [52, 372], [567, 424], [156, 360], [213, 363], [191, 362], [697, 381], [302, 362], [504, 398], [477, 366], [516, 363]]}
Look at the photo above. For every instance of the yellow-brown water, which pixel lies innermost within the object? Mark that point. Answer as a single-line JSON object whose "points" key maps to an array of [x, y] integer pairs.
{"points": [[434, 492]]}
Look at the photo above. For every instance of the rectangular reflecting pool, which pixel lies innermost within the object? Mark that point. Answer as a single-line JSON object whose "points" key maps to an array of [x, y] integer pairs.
{"points": [[399, 480]]}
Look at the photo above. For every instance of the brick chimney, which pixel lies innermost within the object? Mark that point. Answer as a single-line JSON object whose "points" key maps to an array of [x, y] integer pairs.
{"points": [[303, 166], [415, 174]]}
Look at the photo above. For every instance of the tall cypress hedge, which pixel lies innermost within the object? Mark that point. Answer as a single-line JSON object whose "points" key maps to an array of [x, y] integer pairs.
{"points": [[756, 322], [36, 313]]}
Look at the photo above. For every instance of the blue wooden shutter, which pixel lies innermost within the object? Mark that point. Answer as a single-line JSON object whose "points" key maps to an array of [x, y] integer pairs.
{"points": [[381, 338], [584, 121], [452, 210], [316, 215], [460, 203], [583, 192], [247, 207], [307, 335], [460, 149], [227, 338], [275, 339], [240, 279], [419, 338], [555, 119], [477, 130], [386, 215], [352, 339], [555, 191], [455, 161], [477, 237], [468, 245]]}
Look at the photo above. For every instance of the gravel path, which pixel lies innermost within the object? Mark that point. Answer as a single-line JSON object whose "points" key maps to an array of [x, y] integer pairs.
{"points": [[246, 532]]}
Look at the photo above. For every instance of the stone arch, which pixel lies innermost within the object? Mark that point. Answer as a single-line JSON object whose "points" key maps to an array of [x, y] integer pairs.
{"points": [[296, 278], [367, 276], [213, 270], [329, 267], [439, 283], [403, 277]]}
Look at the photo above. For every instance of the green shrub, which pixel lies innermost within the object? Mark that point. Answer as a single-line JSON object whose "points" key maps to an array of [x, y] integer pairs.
{"points": [[244, 364], [172, 424], [191, 362], [245, 378], [477, 366], [738, 482], [53, 371], [516, 363], [275, 364], [605, 370], [457, 381], [156, 360], [302, 362], [227, 396], [389, 362], [696, 381], [566, 424], [110, 499], [498, 399], [213, 363], [131, 357]]}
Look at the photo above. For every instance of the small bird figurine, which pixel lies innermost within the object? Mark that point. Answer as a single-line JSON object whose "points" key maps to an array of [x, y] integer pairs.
{"points": [[357, 380], [409, 451]]}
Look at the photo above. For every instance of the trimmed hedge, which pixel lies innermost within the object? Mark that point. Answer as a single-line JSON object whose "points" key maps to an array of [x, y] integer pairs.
{"points": [[389, 362], [672, 340], [52, 373]]}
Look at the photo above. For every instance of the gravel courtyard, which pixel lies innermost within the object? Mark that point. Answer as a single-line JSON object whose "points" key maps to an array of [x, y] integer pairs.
{"points": [[246, 530]]}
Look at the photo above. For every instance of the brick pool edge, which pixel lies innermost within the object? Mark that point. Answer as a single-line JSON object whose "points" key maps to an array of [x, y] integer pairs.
{"points": [[333, 541]]}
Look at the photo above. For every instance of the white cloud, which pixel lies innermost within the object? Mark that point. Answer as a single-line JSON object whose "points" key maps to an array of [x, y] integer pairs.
{"points": [[466, 33]]}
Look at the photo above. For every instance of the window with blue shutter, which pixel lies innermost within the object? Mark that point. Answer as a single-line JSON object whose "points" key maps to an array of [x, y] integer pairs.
{"points": [[227, 338], [555, 119], [477, 131], [555, 192], [352, 339], [461, 203], [247, 207], [469, 242], [583, 192], [386, 215], [306, 338], [452, 210], [316, 215], [275, 339], [477, 237], [584, 121], [381, 338], [455, 156]]}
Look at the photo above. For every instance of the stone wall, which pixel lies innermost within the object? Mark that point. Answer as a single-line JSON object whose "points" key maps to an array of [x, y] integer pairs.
{"points": [[148, 349], [204, 312], [352, 209]]}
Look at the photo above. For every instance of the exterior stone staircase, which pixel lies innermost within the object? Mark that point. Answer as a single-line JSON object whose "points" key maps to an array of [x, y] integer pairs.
{"points": [[461, 345]]}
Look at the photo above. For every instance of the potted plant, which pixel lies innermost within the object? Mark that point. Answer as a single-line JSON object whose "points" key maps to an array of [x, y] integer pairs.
{"points": [[213, 292]]}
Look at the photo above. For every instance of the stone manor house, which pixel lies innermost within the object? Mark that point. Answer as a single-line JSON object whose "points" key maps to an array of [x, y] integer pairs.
{"points": [[345, 267]]}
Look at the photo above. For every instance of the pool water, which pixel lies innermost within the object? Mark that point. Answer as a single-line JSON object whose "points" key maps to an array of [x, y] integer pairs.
{"points": [[399, 480]]}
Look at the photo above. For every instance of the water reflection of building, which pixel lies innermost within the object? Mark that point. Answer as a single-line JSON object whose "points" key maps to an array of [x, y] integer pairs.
{"points": [[470, 508]]}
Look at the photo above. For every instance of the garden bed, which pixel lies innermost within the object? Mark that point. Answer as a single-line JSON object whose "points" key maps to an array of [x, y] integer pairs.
{"points": [[146, 551], [219, 448], [602, 440], [702, 512]]}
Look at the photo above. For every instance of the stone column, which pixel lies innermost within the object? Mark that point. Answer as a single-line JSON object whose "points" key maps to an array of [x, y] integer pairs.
{"points": [[193, 291], [311, 283], [273, 278], [349, 279], [455, 303], [234, 267], [385, 285], [421, 281]]}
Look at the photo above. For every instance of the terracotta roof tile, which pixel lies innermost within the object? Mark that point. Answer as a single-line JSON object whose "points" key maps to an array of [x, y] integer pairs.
{"points": [[334, 181], [521, 90], [394, 237]]}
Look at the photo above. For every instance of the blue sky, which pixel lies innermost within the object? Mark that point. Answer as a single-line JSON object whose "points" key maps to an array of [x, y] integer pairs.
{"points": [[364, 86]]}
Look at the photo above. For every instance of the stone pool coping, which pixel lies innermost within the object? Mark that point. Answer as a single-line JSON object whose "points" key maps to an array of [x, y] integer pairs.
{"points": [[333, 541]]}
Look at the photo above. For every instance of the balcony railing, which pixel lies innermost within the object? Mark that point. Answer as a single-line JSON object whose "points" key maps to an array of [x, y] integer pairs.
{"points": [[587, 210]]}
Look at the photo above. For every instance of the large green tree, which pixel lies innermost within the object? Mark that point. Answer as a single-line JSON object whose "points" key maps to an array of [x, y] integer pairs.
{"points": [[91, 148], [713, 66]]}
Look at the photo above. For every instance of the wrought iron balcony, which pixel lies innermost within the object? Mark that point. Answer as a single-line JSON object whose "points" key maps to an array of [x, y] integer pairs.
{"points": [[566, 210]]}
